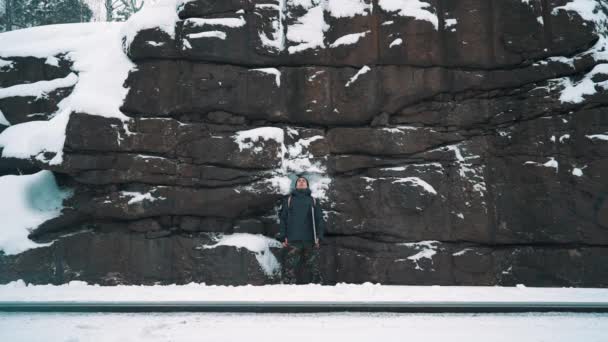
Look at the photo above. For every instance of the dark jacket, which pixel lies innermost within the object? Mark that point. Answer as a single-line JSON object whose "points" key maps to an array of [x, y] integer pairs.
{"points": [[296, 220]]}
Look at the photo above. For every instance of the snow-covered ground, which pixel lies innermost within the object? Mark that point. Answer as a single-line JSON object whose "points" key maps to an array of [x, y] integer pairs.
{"points": [[341, 292], [99, 327]]}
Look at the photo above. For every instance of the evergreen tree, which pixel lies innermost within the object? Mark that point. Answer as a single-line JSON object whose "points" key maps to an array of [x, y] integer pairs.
{"points": [[27, 13]]}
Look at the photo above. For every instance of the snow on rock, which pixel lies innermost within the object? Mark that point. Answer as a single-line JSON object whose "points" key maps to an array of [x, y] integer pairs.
{"points": [[589, 10], [417, 182], [139, 197], [3, 120], [550, 163], [155, 44], [297, 160], [256, 243], [472, 173], [603, 137], [434, 166], [577, 172], [292, 159], [308, 30], [361, 71], [411, 8], [395, 42], [399, 129], [39, 89], [273, 71], [451, 22], [427, 250], [98, 59], [255, 134], [5, 65], [349, 39], [31, 200], [208, 34], [573, 92], [161, 14], [462, 252], [276, 40], [226, 22], [348, 8], [52, 60]]}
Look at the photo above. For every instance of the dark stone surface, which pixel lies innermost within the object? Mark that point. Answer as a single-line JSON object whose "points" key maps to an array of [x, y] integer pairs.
{"points": [[451, 158]]}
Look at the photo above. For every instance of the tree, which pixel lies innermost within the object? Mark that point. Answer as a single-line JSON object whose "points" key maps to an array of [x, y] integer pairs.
{"points": [[27, 13], [121, 10]]}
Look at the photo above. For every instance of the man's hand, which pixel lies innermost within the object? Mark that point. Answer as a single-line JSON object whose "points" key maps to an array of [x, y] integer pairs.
{"points": [[285, 243]]}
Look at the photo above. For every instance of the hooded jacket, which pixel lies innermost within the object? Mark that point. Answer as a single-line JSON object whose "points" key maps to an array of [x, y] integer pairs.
{"points": [[296, 219]]}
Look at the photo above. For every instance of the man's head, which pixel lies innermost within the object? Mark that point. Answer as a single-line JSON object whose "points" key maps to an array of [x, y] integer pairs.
{"points": [[301, 183]]}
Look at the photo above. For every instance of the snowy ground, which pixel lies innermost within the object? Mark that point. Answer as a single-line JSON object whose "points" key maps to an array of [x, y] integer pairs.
{"points": [[341, 292], [521, 327]]}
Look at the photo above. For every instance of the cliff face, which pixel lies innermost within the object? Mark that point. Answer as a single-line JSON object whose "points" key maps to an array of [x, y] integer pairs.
{"points": [[449, 142]]}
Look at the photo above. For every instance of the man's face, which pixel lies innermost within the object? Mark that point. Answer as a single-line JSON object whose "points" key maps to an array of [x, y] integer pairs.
{"points": [[301, 183]]}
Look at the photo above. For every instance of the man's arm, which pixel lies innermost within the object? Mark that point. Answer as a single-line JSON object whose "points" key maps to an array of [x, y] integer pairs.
{"points": [[283, 221], [319, 221]]}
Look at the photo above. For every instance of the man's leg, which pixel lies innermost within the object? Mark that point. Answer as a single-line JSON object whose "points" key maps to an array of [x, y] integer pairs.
{"points": [[290, 264], [312, 263]]}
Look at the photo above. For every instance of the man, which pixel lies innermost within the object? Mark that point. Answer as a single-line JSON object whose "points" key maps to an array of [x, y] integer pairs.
{"points": [[298, 234]]}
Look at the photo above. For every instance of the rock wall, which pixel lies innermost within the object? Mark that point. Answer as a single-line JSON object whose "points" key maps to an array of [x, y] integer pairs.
{"points": [[449, 142]]}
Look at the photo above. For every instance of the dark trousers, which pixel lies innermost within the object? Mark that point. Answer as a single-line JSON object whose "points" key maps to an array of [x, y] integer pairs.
{"points": [[296, 255]]}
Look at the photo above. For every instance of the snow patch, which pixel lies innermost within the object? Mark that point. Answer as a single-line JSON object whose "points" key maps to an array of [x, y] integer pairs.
{"points": [[255, 134], [417, 182], [550, 163], [361, 71], [52, 60], [31, 200], [273, 71], [139, 197], [277, 39], [256, 243], [410, 8], [395, 42], [98, 59], [574, 92], [450, 22], [603, 137], [4, 64], [226, 22], [3, 120], [427, 250], [348, 8], [208, 34], [161, 14], [462, 252], [577, 172], [39, 89], [349, 39], [308, 30]]}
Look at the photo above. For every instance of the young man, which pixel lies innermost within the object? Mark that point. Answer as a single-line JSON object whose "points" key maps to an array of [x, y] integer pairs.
{"points": [[298, 232]]}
